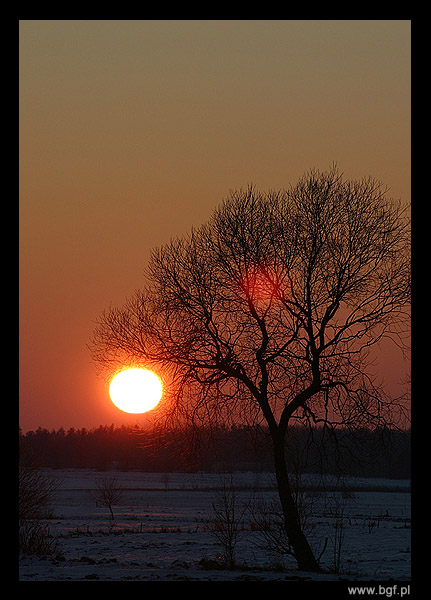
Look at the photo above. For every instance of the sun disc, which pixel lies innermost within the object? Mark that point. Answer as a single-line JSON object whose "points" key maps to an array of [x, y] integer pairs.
{"points": [[135, 390]]}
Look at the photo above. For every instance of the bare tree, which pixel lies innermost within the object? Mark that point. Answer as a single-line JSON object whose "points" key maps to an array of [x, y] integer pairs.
{"points": [[269, 312], [108, 493]]}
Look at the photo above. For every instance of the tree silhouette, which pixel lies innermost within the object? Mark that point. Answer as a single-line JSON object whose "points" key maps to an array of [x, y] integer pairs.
{"points": [[107, 492], [269, 311]]}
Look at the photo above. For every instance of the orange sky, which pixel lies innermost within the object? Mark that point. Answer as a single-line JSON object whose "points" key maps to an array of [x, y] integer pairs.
{"points": [[133, 131]]}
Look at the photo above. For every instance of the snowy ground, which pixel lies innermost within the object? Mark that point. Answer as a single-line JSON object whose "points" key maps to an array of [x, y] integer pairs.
{"points": [[161, 533]]}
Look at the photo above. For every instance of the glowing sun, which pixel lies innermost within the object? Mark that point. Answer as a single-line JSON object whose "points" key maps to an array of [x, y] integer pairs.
{"points": [[135, 390]]}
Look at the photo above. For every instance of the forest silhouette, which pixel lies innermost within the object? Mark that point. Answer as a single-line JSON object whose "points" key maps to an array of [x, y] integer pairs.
{"points": [[364, 453]]}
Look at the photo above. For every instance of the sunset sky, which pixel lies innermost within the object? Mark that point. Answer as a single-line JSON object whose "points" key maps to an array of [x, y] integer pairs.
{"points": [[131, 132]]}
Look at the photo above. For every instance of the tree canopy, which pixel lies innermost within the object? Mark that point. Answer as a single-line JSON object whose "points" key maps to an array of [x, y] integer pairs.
{"points": [[271, 308]]}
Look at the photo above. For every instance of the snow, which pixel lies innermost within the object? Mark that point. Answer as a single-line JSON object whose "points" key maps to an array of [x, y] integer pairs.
{"points": [[161, 533]]}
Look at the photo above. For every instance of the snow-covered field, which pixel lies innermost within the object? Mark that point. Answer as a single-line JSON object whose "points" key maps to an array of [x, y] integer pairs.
{"points": [[161, 531]]}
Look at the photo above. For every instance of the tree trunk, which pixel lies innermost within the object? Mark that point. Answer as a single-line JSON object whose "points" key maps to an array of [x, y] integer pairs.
{"points": [[300, 546]]}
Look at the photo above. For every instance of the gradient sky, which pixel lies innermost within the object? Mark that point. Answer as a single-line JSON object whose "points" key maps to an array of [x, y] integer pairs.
{"points": [[131, 132]]}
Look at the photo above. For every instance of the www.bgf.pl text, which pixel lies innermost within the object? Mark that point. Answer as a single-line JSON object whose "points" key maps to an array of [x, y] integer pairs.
{"points": [[381, 590]]}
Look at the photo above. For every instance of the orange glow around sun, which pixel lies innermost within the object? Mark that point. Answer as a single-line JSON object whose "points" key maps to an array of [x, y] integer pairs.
{"points": [[135, 390]]}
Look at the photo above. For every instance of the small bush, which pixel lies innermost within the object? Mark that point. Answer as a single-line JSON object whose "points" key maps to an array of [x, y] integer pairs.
{"points": [[36, 491], [226, 523], [35, 538]]}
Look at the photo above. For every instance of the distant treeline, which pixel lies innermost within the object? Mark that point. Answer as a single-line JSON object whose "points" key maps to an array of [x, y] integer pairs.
{"points": [[381, 453]]}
